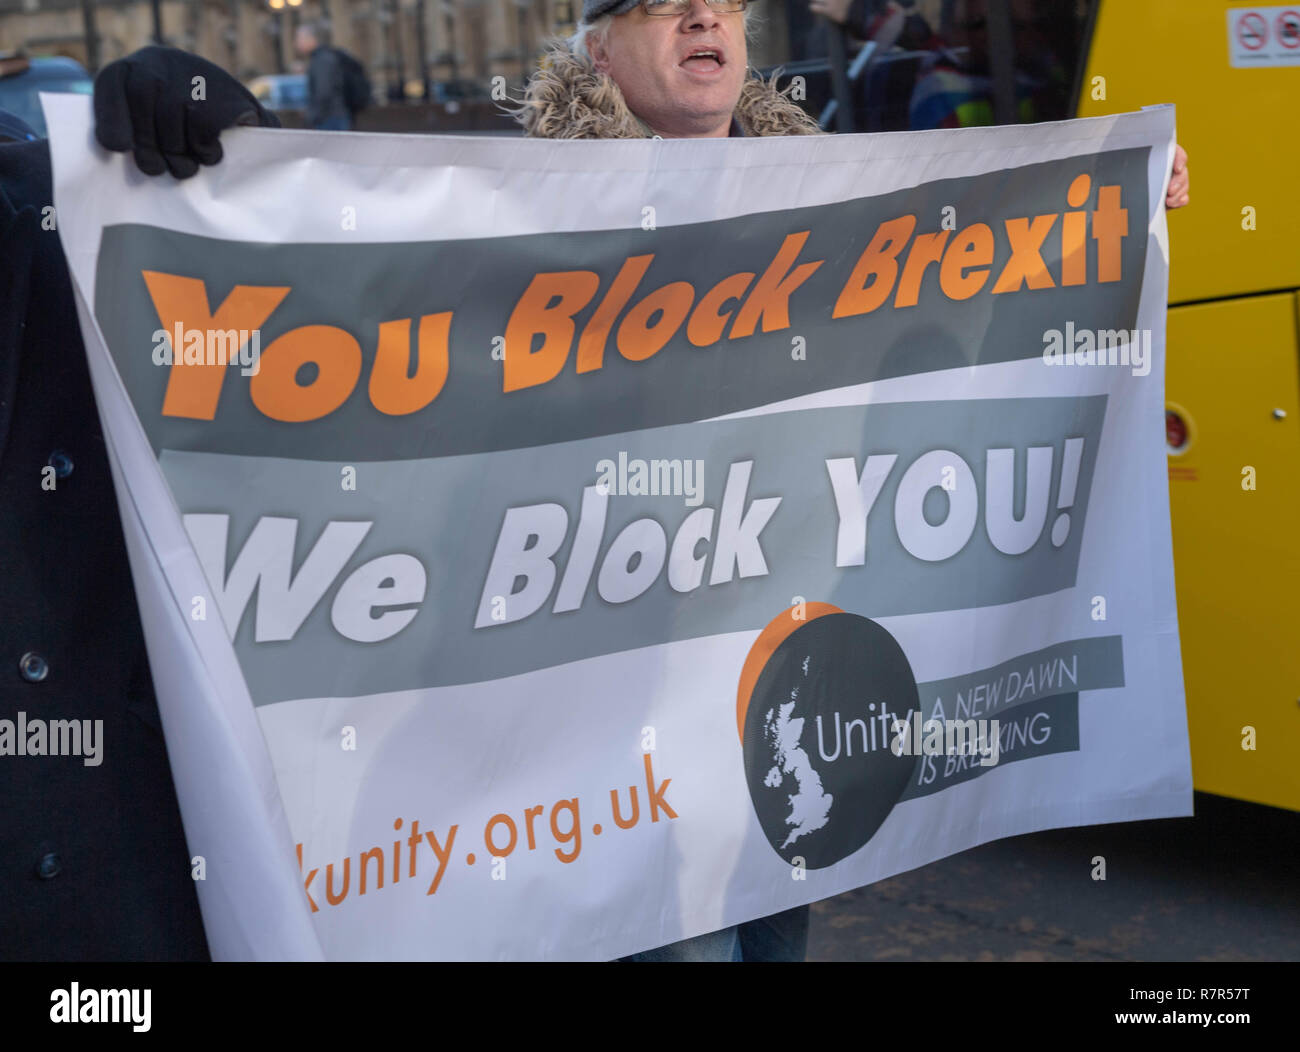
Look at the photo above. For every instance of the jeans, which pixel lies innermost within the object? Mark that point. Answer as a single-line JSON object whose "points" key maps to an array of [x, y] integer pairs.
{"points": [[780, 937], [333, 124]]}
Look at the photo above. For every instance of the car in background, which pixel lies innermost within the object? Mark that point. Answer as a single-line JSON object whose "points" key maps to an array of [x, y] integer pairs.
{"points": [[280, 91], [22, 79]]}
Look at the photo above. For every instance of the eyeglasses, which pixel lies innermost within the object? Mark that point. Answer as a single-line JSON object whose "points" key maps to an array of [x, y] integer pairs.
{"points": [[680, 7]]}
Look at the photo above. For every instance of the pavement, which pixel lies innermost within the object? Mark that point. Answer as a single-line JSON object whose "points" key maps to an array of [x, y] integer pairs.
{"points": [[1223, 885]]}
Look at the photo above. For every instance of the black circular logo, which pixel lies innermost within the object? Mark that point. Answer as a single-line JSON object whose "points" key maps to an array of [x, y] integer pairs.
{"points": [[816, 733]]}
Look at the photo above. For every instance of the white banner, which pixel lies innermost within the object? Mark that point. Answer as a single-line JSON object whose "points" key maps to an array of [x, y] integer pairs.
{"points": [[559, 549]]}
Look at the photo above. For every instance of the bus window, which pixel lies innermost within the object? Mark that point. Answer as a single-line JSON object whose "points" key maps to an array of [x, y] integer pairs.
{"points": [[956, 86]]}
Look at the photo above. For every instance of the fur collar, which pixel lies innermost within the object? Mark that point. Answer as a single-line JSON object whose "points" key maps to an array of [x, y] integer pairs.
{"points": [[568, 99]]}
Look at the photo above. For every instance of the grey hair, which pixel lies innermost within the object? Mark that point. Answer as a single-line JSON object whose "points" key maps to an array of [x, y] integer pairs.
{"points": [[599, 29]]}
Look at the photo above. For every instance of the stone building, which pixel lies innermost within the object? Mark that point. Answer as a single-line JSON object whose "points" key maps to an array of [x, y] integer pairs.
{"points": [[472, 40]]}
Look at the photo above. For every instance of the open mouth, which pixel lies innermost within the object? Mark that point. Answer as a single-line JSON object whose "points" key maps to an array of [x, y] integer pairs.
{"points": [[704, 60]]}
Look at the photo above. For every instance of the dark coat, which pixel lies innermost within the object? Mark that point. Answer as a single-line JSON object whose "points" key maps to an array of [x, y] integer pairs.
{"points": [[326, 97], [93, 860]]}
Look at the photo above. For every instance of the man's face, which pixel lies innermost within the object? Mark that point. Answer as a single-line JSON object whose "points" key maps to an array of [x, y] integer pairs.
{"points": [[304, 41], [660, 64]]}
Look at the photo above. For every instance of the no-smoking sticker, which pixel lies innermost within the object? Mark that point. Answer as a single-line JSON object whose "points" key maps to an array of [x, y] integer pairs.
{"points": [[1288, 29], [1252, 31], [1263, 36]]}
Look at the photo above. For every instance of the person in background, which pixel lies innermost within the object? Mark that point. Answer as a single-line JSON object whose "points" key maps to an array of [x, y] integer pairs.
{"points": [[327, 106]]}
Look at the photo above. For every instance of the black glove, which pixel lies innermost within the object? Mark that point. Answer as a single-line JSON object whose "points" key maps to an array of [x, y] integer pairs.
{"points": [[145, 103]]}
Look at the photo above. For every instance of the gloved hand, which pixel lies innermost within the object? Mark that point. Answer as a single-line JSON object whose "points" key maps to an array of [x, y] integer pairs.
{"points": [[147, 103]]}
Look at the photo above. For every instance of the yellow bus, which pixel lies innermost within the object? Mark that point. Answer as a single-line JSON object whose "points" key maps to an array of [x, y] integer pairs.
{"points": [[1232, 384]]}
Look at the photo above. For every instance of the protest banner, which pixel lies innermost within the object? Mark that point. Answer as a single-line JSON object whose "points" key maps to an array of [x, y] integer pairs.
{"points": [[558, 549]]}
